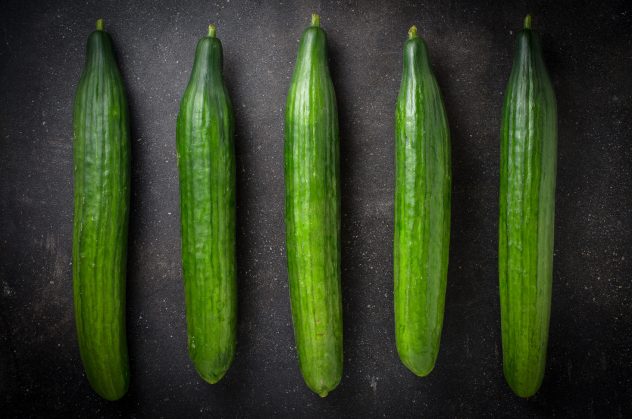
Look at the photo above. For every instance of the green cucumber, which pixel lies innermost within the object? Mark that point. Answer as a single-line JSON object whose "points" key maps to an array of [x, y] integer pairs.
{"points": [[206, 164], [422, 210], [527, 208], [312, 213], [101, 151]]}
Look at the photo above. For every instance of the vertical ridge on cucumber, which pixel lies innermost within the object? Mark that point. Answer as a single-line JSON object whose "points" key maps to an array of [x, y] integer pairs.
{"points": [[206, 166], [312, 213], [527, 208], [423, 181], [101, 149]]}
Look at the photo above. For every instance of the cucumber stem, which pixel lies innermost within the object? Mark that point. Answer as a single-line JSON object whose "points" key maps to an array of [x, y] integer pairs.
{"points": [[315, 19], [211, 31], [100, 24], [527, 22], [412, 32]]}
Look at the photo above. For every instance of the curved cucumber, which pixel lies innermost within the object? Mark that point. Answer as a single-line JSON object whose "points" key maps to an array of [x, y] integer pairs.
{"points": [[422, 210], [206, 164], [527, 208], [102, 182], [312, 213]]}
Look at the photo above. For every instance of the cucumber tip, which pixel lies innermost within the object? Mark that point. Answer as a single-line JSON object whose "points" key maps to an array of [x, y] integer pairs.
{"points": [[412, 32]]}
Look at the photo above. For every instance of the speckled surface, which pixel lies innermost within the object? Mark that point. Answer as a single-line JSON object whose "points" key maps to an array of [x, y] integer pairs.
{"points": [[588, 51]]}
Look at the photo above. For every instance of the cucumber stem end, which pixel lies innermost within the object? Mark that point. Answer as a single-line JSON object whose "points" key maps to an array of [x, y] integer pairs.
{"points": [[412, 32]]}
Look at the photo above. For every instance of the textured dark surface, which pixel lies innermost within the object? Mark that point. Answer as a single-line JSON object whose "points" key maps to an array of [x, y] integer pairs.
{"points": [[587, 48]]}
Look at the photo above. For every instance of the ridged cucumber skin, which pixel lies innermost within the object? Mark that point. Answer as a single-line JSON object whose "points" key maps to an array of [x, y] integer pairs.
{"points": [[206, 164], [423, 184], [528, 168], [312, 214], [101, 151]]}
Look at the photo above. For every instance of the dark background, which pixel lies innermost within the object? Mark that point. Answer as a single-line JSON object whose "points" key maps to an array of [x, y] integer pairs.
{"points": [[588, 50]]}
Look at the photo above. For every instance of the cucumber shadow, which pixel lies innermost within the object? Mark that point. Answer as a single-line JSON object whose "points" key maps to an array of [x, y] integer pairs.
{"points": [[351, 307], [469, 301]]}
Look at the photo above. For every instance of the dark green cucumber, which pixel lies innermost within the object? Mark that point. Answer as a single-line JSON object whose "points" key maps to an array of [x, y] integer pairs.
{"points": [[422, 210], [102, 183], [206, 164], [527, 208], [312, 213]]}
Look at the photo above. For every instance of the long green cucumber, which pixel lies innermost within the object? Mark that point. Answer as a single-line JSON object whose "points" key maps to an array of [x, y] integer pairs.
{"points": [[312, 213], [422, 210], [206, 164], [101, 209], [527, 208]]}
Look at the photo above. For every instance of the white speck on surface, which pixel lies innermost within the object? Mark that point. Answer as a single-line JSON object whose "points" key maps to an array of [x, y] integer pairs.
{"points": [[374, 383], [7, 290]]}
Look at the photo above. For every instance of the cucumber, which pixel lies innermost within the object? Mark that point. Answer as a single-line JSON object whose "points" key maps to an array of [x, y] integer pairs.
{"points": [[312, 213], [101, 149], [527, 208], [206, 165], [422, 210]]}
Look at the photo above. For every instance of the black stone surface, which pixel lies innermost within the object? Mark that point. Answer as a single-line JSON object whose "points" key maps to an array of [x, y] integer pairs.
{"points": [[588, 50]]}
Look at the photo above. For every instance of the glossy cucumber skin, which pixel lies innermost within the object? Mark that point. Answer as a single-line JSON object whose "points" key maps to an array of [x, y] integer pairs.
{"points": [[206, 164], [312, 215], [422, 211], [527, 208], [101, 151]]}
